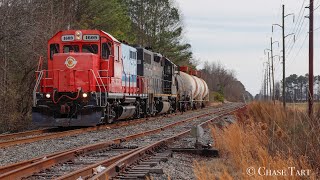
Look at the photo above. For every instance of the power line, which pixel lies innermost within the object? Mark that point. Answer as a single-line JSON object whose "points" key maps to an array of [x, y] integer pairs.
{"points": [[299, 33], [298, 21], [317, 6], [297, 54], [316, 28]]}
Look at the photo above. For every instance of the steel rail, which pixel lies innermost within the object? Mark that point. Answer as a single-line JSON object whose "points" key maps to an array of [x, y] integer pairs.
{"points": [[23, 134], [49, 135], [88, 170], [11, 167], [30, 167], [113, 169]]}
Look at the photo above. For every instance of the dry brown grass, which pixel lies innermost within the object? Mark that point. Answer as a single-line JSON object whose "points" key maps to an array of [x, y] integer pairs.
{"points": [[303, 107], [266, 136]]}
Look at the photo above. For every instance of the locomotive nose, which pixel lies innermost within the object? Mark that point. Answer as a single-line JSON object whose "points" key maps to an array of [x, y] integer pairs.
{"points": [[72, 71]]}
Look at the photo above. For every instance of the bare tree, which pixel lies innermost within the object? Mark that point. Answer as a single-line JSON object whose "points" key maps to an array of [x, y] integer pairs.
{"points": [[221, 80]]}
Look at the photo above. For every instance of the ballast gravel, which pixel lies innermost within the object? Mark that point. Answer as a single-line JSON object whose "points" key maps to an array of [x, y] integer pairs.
{"points": [[182, 165], [23, 152]]}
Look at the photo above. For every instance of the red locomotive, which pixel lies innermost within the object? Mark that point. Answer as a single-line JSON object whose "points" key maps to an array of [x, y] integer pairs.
{"points": [[92, 78]]}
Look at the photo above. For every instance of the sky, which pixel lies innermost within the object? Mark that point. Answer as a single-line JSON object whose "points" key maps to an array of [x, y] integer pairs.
{"points": [[235, 33]]}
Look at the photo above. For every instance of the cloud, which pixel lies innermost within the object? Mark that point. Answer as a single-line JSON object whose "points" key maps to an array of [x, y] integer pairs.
{"points": [[237, 32]]}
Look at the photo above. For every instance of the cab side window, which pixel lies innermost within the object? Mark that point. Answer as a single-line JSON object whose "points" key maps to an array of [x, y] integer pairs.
{"points": [[54, 48], [147, 58], [106, 50], [116, 53]]}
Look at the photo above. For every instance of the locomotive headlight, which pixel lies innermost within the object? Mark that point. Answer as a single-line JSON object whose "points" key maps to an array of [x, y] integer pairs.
{"points": [[48, 95], [78, 35], [84, 95]]}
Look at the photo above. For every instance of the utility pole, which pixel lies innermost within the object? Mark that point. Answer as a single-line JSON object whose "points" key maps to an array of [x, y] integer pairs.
{"points": [[310, 59], [284, 61], [267, 82], [283, 54], [269, 67], [264, 85], [273, 93]]}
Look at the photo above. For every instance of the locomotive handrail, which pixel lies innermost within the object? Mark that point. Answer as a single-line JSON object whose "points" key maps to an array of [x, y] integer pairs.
{"points": [[97, 83], [105, 90], [36, 87], [40, 63], [104, 87]]}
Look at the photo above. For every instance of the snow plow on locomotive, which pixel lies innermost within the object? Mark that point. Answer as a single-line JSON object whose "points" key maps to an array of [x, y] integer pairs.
{"points": [[91, 78]]}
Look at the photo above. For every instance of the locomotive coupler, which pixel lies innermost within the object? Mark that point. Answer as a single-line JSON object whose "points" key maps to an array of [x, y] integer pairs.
{"points": [[64, 109]]}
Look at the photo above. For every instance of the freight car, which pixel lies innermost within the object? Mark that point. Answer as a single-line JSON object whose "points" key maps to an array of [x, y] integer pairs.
{"points": [[91, 78]]}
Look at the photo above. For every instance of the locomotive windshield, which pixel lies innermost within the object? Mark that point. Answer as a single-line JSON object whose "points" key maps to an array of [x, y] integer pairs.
{"points": [[70, 48], [90, 48], [86, 48]]}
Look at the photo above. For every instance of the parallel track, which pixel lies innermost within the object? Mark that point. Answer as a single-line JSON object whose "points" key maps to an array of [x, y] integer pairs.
{"points": [[136, 164], [28, 168], [23, 134], [7, 140]]}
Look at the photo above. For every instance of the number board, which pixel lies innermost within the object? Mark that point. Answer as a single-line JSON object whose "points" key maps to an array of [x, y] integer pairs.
{"points": [[67, 38], [91, 37]]}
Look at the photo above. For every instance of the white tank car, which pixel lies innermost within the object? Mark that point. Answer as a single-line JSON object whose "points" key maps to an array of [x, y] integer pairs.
{"points": [[200, 87], [186, 85], [191, 86], [205, 94]]}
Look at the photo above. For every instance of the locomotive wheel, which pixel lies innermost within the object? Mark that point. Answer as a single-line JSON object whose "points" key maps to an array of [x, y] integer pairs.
{"points": [[110, 117], [138, 111], [109, 120]]}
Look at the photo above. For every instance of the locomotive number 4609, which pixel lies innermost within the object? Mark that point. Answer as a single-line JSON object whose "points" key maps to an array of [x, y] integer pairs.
{"points": [[91, 37]]}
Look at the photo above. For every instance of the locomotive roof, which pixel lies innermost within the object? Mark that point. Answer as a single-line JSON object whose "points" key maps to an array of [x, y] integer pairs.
{"points": [[113, 38]]}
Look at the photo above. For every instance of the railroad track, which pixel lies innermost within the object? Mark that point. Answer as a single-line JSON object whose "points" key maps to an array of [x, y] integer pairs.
{"points": [[22, 134], [38, 135], [7, 140], [80, 161]]}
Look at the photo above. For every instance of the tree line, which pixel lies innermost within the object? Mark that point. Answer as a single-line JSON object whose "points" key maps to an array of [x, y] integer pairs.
{"points": [[26, 25], [224, 83], [297, 88]]}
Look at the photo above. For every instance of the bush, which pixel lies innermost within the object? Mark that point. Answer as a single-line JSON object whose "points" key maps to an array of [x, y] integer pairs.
{"points": [[218, 97]]}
